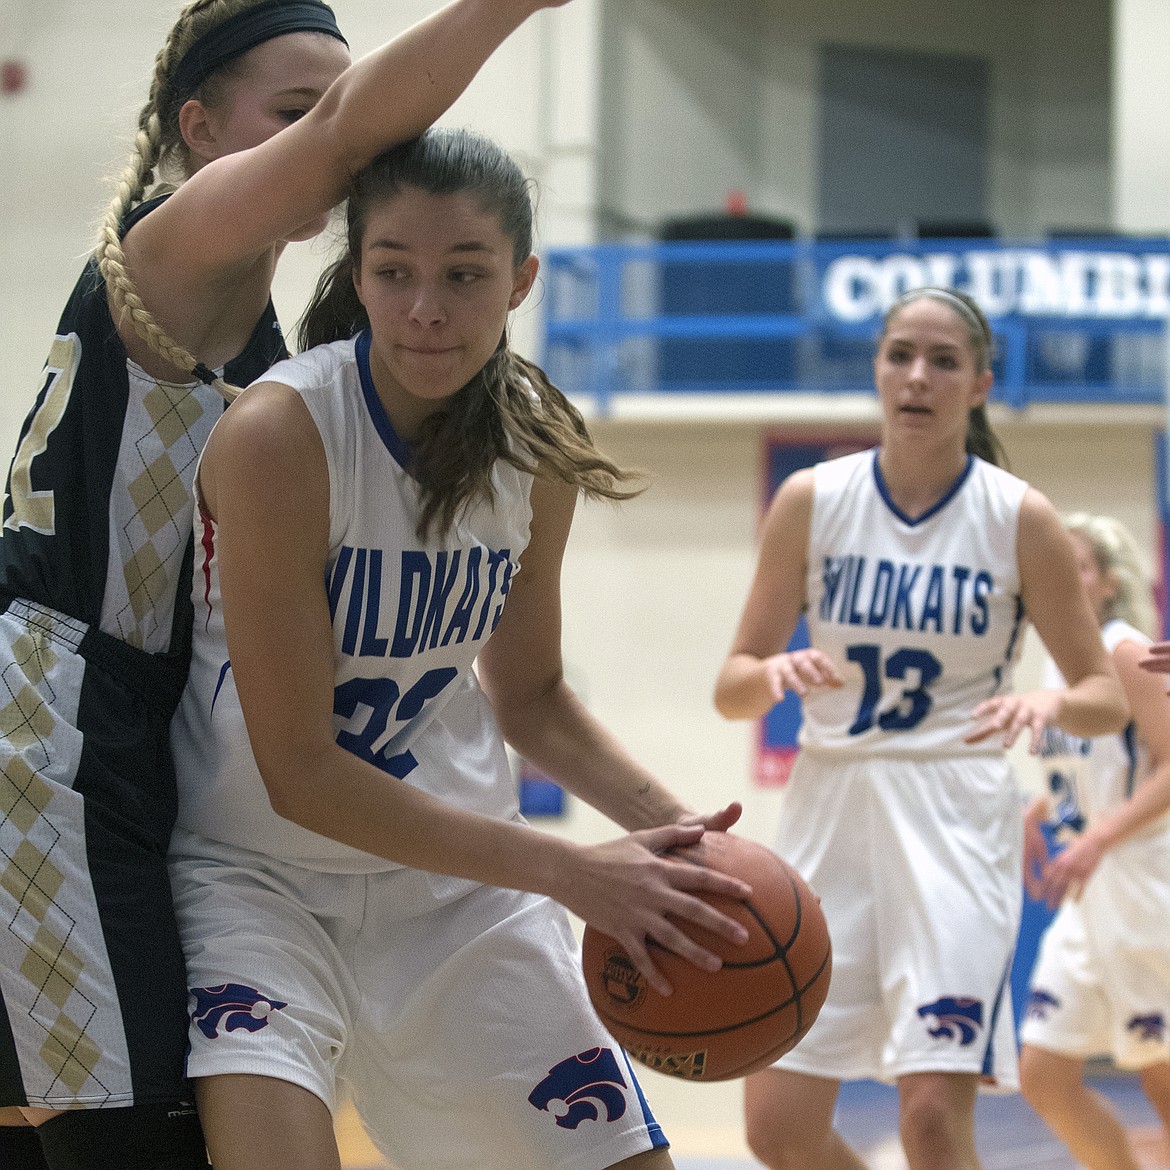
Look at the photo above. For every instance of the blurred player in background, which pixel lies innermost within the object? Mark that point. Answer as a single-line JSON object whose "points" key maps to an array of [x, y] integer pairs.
{"points": [[1101, 985], [917, 565]]}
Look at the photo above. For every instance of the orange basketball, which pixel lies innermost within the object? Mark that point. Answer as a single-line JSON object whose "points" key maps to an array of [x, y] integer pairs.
{"points": [[752, 1010]]}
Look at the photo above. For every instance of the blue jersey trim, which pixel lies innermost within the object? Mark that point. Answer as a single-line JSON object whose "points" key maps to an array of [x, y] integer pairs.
{"points": [[1130, 743], [1000, 997], [653, 1129], [398, 447], [947, 496]]}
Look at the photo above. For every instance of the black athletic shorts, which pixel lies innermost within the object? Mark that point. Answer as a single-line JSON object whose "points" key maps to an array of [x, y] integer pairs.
{"points": [[93, 1001]]}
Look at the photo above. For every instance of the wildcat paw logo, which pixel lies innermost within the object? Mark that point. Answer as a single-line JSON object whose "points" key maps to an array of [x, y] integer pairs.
{"points": [[956, 1017], [1041, 1004], [232, 1006], [1148, 1027], [577, 1089]]}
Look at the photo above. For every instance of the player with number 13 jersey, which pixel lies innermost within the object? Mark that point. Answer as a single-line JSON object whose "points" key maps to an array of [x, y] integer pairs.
{"points": [[926, 612]]}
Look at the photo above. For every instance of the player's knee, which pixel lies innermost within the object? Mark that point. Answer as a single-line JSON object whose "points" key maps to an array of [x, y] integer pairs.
{"points": [[777, 1146], [135, 1137], [1044, 1082], [932, 1131], [1155, 1081], [1033, 1084]]}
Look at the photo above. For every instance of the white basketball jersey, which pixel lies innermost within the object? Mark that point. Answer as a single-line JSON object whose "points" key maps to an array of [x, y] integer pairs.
{"points": [[409, 617], [1086, 777], [923, 617]]}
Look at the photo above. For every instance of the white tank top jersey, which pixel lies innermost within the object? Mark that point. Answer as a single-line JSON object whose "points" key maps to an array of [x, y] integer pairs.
{"points": [[1086, 777], [409, 617], [923, 617]]}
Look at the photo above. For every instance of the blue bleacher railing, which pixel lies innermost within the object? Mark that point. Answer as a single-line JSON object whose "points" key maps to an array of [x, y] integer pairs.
{"points": [[1079, 321]]}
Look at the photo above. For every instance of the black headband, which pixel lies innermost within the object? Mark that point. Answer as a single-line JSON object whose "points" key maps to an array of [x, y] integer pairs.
{"points": [[253, 26]]}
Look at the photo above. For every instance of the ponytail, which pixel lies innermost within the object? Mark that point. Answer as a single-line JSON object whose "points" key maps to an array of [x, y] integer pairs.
{"points": [[982, 441], [335, 312]]}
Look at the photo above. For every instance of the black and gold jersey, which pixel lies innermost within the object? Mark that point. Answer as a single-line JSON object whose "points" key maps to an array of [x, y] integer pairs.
{"points": [[98, 516]]}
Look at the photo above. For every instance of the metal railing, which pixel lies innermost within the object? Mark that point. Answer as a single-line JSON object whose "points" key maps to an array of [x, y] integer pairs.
{"points": [[1079, 321]]}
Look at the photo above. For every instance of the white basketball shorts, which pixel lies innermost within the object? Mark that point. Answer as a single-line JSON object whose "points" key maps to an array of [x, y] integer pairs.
{"points": [[455, 1013], [918, 868], [1101, 985]]}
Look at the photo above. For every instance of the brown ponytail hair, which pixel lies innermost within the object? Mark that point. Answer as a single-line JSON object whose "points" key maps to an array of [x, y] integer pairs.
{"points": [[510, 410]]}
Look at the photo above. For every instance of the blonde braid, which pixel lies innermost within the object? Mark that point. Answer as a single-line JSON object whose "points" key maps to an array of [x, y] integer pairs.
{"points": [[158, 137]]}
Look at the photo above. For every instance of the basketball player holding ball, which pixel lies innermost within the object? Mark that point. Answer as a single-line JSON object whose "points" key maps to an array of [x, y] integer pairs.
{"points": [[358, 897], [257, 115], [917, 565]]}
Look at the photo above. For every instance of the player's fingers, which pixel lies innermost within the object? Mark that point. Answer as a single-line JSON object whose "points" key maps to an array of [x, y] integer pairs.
{"points": [[986, 709], [830, 675], [818, 671], [723, 820], [1036, 742], [640, 957], [979, 733], [698, 879], [702, 913], [665, 837], [1016, 720], [678, 941]]}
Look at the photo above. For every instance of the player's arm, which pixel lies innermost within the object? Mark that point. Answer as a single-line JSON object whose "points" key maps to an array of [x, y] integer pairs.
{"points": [[539, 713], [1068, 872], [1093, 702], [756, 672], [264, 479], [238, 206]]}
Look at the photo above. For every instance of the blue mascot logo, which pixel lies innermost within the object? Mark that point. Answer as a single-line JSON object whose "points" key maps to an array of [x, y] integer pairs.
{"points": [[1041, 1003], [234, 1006], [1149, 1027], [957, 1017], [583, 1083]]}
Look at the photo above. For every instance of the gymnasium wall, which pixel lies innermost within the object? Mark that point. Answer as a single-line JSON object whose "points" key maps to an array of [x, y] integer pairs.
{"points": [[739, 84]]}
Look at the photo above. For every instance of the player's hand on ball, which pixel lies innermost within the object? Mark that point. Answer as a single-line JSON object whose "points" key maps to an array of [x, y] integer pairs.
{"points": [[1009, 715], [631, 890], [718, 822]]}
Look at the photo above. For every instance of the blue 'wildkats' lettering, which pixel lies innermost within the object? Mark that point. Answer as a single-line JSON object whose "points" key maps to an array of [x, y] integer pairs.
{"points": [[939, 599], [444, 598]]}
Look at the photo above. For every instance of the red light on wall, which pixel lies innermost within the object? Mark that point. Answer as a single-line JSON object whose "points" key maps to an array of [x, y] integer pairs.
{"points": [[13, 76]]}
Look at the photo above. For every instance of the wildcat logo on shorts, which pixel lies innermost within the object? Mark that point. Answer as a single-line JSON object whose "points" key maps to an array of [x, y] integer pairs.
{"points": [[233, 1006], [580, 1085], [1148, 1027], [958, 1017], [1041, 1004]]}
